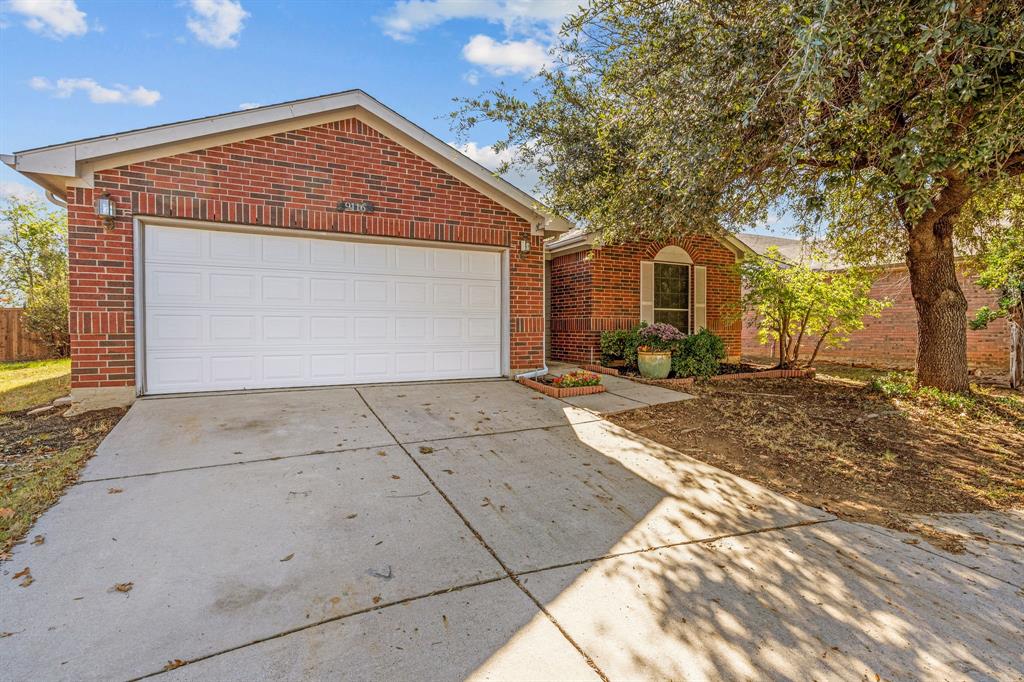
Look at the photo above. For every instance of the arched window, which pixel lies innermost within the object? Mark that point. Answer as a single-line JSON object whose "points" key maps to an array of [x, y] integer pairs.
{"points": [[672, 290]]}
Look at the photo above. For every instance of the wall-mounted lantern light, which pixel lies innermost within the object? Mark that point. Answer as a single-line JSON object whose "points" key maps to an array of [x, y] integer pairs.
{"points": [[106, 208]]}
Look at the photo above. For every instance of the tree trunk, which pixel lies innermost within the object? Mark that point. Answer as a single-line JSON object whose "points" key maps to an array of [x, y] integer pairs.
{"points": [[817, 346], [1016, 321], [941, 307]]}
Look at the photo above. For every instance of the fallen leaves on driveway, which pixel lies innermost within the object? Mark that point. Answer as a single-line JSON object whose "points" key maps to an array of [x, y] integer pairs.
{"points": [[425, 450], [124, 587], [39, 539], [176, 663], [288, 558], [26, 574], [114, 491]]}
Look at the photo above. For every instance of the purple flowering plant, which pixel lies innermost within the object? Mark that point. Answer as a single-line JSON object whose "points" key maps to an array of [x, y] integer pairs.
{"points": [[660, 336]]}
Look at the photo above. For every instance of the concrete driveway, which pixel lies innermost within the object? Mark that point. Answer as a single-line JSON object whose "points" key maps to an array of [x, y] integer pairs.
{"points": [[467, 530]]}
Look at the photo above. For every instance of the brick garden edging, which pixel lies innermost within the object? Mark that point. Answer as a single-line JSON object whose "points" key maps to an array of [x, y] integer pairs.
{"points": [[601, 369], [556, 392], [808, 373]]}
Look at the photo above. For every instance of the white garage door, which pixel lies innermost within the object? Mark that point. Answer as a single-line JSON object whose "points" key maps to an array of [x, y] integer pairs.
{"points": [[234, 310]]}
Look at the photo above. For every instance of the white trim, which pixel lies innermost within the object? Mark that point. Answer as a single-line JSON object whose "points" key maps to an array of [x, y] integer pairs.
{"points": [[139, 296], [506, 314]]}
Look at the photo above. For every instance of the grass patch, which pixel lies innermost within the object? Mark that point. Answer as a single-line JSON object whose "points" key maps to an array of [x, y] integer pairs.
{"points": [[40, 455], [24, 385], [31, 488]]}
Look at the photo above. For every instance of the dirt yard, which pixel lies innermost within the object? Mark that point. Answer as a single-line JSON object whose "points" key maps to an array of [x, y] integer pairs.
{"points": [[834, 442]]}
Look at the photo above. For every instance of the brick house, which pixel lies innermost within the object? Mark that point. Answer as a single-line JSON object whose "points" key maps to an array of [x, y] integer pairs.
{"points": [[890, 341], [690, 283], [321, 241]]}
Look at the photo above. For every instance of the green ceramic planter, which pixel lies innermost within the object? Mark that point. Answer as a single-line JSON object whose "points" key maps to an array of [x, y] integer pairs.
{"points": [[654, 364]]}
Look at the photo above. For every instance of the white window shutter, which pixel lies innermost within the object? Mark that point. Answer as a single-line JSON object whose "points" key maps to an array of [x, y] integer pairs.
{"points": [[647, 291], [700, 297]]}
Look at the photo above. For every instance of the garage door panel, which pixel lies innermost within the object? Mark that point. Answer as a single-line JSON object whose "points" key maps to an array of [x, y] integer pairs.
{"points": [[228, 310], [284, 251], [170, 244], [231, 247]]}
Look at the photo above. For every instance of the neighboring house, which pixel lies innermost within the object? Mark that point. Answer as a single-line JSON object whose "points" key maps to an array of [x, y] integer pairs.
{"points": [[690, 283], [890, 341], [321, 241]]}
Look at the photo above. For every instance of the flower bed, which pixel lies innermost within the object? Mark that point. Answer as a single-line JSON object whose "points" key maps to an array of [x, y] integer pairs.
{"points": [[567, 385]]}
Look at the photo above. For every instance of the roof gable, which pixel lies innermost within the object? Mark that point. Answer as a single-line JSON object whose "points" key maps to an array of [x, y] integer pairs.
{"points": [[74, 163]]}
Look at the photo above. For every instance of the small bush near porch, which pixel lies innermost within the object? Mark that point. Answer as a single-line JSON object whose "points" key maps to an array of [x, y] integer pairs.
{"points": [[863, 445], [694, 355]]}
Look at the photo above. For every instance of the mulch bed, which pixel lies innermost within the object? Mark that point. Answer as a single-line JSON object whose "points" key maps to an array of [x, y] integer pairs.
{"points": [[851, 451]]}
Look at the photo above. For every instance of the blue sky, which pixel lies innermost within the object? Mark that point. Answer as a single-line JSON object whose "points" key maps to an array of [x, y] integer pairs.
{"points": [[79, 68]]}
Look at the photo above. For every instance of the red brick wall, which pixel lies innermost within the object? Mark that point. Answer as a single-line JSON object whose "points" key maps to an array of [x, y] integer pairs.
{"points": [[290, 180], [599, 290], [890, 341]]}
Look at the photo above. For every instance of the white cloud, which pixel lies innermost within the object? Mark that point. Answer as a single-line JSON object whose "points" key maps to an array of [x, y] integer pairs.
{"points": [[217, 23], [249, 105], [55, 19], [526, 57], [471, 77], [98, 94], [486, 156], [18, 191], [408, 17]]}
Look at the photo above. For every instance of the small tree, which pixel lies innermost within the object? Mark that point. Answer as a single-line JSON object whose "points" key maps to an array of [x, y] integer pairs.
{"points": [[34, 269], [892, 127], [1002, 270], [46, 314], [793, 302]]}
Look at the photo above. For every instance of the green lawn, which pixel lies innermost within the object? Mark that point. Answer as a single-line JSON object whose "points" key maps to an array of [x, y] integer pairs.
{"points": [[33, 383]]}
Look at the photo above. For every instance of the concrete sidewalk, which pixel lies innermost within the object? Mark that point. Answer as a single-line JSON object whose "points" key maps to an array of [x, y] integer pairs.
{"points": [[472, 530]]}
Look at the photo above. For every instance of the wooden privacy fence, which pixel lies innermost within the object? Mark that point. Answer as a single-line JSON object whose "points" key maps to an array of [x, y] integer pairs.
{"points": [[15, 341]]}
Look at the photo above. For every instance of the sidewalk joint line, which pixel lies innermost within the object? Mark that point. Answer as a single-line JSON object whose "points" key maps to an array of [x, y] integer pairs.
{"points": [[511, 575], [272, 458], [325, 621]]}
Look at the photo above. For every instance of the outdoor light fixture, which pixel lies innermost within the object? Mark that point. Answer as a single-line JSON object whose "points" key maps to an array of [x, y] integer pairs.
{"points": [[106, 209]]}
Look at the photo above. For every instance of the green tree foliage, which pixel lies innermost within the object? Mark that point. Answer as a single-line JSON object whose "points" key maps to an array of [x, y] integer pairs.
{"points": [[1002, 271], [892, 129], [794, 304], [34, 269]]}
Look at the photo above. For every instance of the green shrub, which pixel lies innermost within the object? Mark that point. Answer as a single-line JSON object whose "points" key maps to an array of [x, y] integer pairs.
{"points": [[621, 344], [46, 315], [951, 401], [893, 385], [698, 355]]}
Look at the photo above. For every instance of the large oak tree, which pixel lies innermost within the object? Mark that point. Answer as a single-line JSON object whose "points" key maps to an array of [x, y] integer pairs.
{"points": [[892, 129]]}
